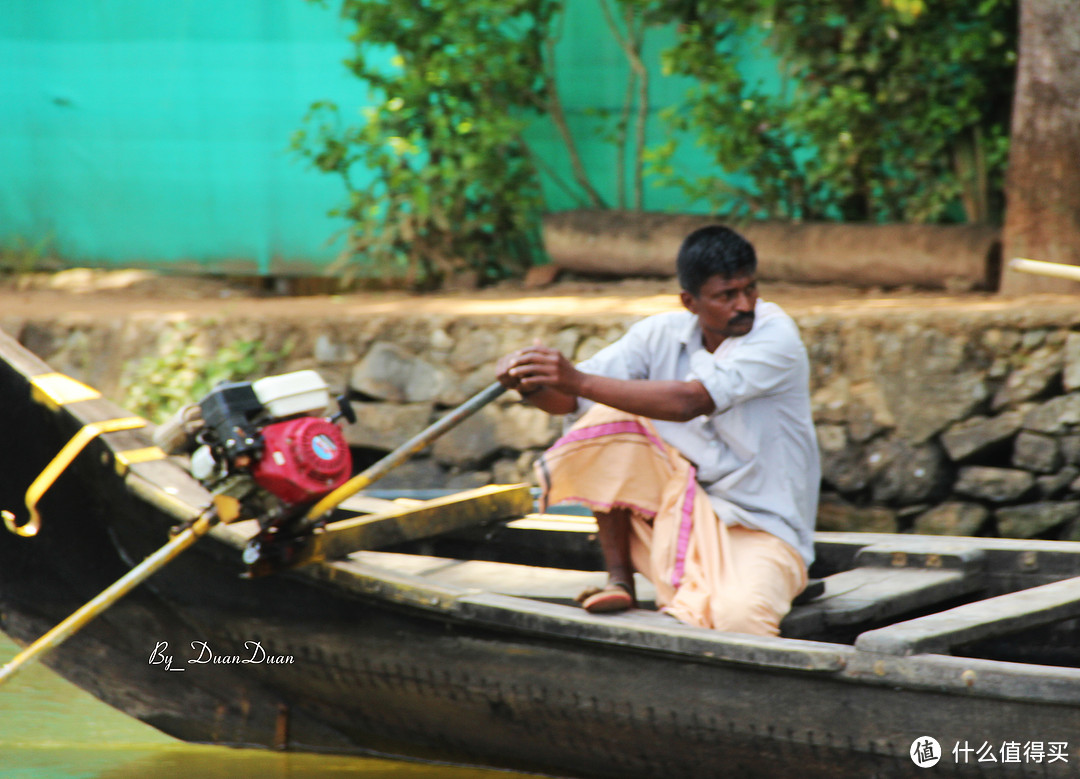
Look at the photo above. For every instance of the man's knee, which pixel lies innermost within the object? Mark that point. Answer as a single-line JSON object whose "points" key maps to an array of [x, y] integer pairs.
{"points": [[752, 615]]}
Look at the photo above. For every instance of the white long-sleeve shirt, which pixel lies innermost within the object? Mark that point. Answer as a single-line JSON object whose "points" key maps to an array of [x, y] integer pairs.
{"points": [[756, 455]]}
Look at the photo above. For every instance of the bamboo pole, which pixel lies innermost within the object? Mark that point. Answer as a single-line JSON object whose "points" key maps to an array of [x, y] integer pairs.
{"points": [[1041, 268]]}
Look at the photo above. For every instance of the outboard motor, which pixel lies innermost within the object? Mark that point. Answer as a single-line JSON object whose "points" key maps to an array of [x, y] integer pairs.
{"points": [[268, 443]]}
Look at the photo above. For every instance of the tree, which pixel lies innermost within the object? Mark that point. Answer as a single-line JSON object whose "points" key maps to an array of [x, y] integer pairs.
{"points": [[1042, 215]]}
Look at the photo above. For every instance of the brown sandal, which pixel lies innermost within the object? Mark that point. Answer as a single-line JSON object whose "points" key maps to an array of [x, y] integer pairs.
{"points": [[612, 597]]}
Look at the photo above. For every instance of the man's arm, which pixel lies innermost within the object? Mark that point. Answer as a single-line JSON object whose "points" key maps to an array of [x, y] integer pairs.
{"points": [[550, 382]]}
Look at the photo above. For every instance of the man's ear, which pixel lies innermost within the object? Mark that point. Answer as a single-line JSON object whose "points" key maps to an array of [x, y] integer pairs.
{"points": [[688, 301]]}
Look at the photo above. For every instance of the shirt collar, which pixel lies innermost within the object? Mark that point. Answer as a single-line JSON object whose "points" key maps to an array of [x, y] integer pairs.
{"points": [[691, 333]]}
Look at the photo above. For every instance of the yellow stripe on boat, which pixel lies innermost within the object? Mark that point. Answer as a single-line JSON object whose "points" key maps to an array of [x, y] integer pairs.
{"points": [[125, 459], [56, 389]]}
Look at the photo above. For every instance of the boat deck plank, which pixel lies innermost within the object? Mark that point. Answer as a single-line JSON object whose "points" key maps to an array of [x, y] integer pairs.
{"points": [[873, 593], [939, 632], [556, 585]]}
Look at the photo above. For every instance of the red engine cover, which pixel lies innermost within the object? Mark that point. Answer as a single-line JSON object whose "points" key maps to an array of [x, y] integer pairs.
{"points": [[302, 459]]}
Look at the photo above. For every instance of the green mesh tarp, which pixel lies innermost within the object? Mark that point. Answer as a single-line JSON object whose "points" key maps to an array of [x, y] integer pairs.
{"points": [[139, 132]]}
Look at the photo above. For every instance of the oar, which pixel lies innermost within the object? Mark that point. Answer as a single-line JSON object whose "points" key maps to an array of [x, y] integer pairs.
{"points": [[207, 520]]}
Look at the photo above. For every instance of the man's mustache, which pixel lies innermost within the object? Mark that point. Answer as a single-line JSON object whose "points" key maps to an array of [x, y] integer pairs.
{"points": [[741, 319]]}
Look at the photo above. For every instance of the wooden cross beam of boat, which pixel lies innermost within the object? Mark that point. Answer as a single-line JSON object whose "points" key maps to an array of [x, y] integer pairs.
{"points": [[408, 522], [941, 631]]}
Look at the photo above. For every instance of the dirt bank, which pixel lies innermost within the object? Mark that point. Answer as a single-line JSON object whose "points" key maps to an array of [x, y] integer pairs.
{"points": [[87, 293]]}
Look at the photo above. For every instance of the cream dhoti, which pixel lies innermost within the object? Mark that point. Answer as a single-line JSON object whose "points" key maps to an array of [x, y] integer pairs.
{"points": [[705, 571]]}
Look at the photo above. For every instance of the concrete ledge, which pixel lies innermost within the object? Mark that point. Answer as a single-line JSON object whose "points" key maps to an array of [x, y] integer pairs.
{"points": [[621, 243]]}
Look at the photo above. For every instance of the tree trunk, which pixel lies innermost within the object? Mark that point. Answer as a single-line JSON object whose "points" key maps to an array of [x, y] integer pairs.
{"points": [[1042, 216]]}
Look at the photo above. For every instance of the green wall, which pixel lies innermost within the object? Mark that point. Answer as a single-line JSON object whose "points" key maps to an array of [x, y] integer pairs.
{"points": [[135, 132]]}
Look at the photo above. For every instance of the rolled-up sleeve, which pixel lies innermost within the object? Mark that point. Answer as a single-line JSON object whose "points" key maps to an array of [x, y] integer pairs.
{"points": [[750, 369]]}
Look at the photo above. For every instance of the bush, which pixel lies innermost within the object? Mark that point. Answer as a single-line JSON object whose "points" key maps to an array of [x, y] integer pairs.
{"points": [[898, 109], [439, 180]]}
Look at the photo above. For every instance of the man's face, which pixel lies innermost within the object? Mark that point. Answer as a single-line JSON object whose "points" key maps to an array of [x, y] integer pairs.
{"points": [[724, 307]]}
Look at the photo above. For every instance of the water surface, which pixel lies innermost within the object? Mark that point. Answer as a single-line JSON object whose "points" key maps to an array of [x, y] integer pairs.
{"points": [[50, 729]]}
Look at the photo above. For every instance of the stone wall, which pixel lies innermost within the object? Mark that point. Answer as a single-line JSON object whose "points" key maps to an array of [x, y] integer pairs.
{"points": [[939, 421]]}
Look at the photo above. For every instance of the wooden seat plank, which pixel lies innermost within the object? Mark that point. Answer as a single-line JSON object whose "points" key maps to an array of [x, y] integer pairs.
{"points": [[877, 593], [1014, 611]]}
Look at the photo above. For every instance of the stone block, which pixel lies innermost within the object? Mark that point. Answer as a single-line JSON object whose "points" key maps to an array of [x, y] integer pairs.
{"points": [[388, 372], [1071, 375], [1055, 415], [868, 413], [1070, 448], [566, 341], [1071, 531], [994, 484], [1032, 379], [926, 375], [829, 403], [907, 474], [416, 474], [525, 427], [472, 442], [475, 348], [1036, 452], [839, 516], [387, 425], [845, 469], [468, 480], [976, 435], [456, 392], [831, 438], [330, 351], [1034, 519], [954, 518], [1053, 485], [515, 470], [931, 403]]}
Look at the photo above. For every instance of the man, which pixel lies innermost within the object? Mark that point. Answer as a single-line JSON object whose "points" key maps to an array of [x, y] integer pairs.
{"points": [[696, 450]]}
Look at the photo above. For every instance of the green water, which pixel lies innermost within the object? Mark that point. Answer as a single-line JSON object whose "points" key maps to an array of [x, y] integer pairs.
{"points": [[50, 729]]}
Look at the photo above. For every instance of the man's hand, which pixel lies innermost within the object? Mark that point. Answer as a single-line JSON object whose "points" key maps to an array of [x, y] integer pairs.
{"points": [[550, 382], [538, 366], [541, 374]]}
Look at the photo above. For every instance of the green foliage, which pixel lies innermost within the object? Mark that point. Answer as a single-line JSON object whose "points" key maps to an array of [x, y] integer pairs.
{"points": [[185, 369], [896, 110], [18, 256], [439, 181]]}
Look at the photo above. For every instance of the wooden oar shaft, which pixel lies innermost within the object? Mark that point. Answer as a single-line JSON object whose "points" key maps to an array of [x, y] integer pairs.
{"points": [[1041, 268], [406, 450], [109, 596]]}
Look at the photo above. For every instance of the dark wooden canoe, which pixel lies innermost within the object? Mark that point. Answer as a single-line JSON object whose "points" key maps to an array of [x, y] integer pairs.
{"points": [[454, 649]]}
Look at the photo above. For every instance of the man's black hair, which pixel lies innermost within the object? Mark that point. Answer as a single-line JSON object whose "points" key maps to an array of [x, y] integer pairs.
{"points": [[710, 251]]}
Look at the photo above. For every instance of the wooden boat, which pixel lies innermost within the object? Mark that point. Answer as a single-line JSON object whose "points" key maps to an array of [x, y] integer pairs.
{"points": [[466, 647]]}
